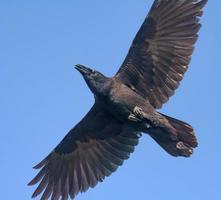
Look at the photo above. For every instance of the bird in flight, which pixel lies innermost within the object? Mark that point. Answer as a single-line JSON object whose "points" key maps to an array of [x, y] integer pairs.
{"points": [[126, 105]]}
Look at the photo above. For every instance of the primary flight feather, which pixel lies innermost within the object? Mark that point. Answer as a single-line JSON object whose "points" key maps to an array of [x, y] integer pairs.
{"points": [[125, 105]]}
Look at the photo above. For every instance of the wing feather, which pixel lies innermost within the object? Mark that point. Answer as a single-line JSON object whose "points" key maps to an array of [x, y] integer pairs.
{"points": [[162, 49], [92, 150]]}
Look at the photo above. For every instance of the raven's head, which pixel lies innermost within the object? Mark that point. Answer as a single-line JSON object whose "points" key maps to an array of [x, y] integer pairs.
{"points": [[94, 79]]}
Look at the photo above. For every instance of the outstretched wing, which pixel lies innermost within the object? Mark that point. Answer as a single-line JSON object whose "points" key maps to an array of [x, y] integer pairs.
{"points": [[90, 151], [161, 51]]}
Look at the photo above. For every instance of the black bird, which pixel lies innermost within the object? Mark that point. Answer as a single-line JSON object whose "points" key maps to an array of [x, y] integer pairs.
{"points": [[125, 105]]}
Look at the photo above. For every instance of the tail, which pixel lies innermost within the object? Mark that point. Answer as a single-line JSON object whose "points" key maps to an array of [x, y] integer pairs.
{"points": [[175, 137]]}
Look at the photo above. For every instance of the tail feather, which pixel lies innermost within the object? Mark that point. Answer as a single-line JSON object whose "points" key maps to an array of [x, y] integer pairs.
{"points": [[175, 136], [185, 131]]}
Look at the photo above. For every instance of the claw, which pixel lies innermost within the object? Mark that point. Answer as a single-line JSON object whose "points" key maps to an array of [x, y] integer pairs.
{"points": [[133, 118], [138, 112]]}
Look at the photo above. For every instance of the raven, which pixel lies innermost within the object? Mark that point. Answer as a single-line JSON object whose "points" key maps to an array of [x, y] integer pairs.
{"points": [[126, 105]]}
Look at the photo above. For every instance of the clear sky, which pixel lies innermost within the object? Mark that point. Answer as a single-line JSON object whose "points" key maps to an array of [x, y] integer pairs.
{"points": [[42, 96]]}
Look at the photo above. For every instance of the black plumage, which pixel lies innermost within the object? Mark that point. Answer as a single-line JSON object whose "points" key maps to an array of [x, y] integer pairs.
{"points": [[125, 105]]}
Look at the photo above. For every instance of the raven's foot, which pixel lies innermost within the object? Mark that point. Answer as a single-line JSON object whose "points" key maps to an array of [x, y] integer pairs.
{"points": [[137, 115], [133, 117], [138, 112]]}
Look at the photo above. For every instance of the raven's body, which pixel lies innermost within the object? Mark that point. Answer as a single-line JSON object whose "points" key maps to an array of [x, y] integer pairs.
{"points": [[138, 115], [127, 104], [120, 101]]}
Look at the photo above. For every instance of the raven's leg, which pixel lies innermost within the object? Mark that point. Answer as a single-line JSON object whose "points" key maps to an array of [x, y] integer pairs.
{"points": [[134, 118], [138, 112], [139, 115]]}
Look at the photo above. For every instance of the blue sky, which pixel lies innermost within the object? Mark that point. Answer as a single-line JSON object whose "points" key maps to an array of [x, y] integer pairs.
{"points": [[42, 96]]}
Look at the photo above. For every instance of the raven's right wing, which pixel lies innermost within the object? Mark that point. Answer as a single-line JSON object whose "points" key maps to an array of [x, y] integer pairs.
{"points": [[90, 151]]}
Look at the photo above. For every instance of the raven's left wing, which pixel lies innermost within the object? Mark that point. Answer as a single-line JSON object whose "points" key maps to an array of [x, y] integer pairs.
{"points": [[161, 51], [90, 151]]}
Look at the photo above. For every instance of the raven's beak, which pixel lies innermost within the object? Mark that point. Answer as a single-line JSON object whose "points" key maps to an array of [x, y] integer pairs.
{"points": [[82, 69]]}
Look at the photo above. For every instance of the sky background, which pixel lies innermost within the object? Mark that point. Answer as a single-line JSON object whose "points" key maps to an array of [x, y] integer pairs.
{"points": [[42, 96]]}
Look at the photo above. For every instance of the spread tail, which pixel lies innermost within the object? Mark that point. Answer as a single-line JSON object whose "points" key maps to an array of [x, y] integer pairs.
{"points": [[175, 137]]}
